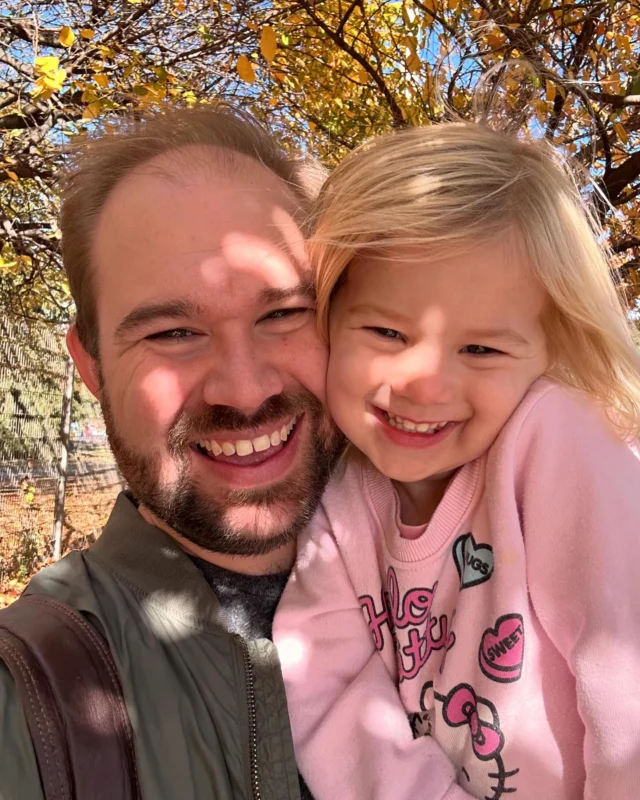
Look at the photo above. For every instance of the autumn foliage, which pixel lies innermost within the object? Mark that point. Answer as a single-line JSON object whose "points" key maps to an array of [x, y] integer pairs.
{"points": [[325, 74]]}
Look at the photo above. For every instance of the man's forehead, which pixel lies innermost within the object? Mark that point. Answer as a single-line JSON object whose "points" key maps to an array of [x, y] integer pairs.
{"points": [[151, 216]]}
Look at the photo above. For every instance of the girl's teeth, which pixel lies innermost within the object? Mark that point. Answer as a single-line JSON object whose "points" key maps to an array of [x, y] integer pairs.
{"points": [[413, 427]]}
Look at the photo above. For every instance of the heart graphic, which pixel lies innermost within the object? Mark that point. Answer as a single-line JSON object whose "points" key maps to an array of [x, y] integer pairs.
{"points": [[502, 649], [474, 562]]}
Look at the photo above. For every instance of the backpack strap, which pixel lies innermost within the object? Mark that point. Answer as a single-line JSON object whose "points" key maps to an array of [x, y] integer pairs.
{"points": [[72, 700]]}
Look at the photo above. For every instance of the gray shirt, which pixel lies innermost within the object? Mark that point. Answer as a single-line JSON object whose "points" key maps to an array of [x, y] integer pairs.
{"points": [[248, 604]]}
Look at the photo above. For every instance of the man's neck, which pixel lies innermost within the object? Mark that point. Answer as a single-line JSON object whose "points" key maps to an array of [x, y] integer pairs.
{"points": [[277, 561]]}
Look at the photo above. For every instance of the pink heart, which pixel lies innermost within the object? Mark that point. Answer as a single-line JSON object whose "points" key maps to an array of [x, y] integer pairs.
{"points": [[502, 649]]}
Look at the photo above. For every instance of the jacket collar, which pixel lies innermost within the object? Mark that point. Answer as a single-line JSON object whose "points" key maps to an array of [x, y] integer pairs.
{"points": [[154, 566]]}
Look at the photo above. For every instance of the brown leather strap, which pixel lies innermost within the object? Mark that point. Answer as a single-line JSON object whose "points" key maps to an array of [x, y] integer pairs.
{"points": [[72, 700]]}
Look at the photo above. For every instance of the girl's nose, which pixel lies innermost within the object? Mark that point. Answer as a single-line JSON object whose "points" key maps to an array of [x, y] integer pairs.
{"points": [[423, 377]]}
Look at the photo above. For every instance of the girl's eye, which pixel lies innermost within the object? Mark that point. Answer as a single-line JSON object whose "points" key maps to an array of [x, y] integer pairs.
{"points": [[386, 333], [286, 313], [175, 334], [480, 350]]}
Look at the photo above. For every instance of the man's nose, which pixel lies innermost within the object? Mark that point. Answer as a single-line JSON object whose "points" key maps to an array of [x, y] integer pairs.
{"points": [[243, 378], [423, 376]]}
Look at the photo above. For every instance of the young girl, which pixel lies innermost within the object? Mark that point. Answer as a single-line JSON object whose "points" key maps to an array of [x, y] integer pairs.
{"points": [[476, 567]]}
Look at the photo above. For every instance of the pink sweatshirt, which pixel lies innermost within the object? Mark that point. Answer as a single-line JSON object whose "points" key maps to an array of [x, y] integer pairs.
{"points": [[508, 632]]}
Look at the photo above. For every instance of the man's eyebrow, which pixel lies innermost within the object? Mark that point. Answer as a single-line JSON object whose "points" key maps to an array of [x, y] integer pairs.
{"points": [[304, 291], [173, 309]]}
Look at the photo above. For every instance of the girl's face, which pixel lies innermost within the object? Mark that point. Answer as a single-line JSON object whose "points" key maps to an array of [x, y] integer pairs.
{"points": [[430, 358]]}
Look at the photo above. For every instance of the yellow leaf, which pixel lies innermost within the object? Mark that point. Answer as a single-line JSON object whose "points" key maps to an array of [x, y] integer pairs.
{"points": [[541, 107], [621, 132], [245, 70], [431, 9], [268, 44], [92, 111], [101, 80], [12, 175], [135, 2], [413, 62], [87, 33], [227, 7], [47, 64], [550, 91], [408, 15], [624, 43], [495, 39], [66, 37], [273, 101], [410, 43], [54, 80]]}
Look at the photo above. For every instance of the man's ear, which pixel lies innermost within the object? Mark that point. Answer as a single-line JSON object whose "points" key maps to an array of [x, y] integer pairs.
{"points": [[85, 364]]}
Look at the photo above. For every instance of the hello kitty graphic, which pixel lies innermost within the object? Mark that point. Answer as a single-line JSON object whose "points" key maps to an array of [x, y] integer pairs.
{"points": [[477, 741]]}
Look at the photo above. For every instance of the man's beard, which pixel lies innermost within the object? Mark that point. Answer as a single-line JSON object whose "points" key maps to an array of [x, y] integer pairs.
{"points": [[187, 508]]}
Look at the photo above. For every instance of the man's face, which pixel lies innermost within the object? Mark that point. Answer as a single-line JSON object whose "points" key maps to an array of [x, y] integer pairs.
{"points": [[211, 375]]}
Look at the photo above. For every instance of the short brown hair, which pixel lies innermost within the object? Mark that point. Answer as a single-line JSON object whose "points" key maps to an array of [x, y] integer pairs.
{"points": [[99, 162]]}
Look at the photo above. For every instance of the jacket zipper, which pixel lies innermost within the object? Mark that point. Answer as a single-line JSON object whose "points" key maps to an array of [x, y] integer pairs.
{"points": [[253, 724]]}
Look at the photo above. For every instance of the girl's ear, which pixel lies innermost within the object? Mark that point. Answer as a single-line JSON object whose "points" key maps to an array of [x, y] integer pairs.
{"points": [[85, 364]]}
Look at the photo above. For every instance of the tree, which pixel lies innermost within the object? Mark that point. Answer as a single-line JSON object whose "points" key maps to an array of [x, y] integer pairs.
{"points": [[326, 74]]}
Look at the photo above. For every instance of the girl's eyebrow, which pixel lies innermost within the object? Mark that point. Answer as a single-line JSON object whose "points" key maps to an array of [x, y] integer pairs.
{"points": [[498, 333], [368, 308]]}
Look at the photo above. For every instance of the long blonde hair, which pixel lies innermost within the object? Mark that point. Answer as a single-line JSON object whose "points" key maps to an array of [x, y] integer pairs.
{"points": [[447, 186]]}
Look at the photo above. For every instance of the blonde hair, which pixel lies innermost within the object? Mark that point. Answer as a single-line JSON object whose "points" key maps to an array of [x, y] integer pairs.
{"points": [[96, 164], [451, 185]]}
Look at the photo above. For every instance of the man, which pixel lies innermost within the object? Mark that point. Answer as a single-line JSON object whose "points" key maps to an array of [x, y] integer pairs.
{"points": [[195, 329]]}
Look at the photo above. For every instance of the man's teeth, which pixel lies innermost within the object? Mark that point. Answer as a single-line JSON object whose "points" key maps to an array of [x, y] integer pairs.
{"points": [[244, 447], [414, 427]]}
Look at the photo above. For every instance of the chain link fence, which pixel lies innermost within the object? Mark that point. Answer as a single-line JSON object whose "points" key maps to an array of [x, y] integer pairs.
{"points": [[58, 478]]}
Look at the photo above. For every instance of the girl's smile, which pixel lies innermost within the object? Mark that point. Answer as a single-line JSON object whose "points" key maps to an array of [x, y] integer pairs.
{"points": [[430, 357]]}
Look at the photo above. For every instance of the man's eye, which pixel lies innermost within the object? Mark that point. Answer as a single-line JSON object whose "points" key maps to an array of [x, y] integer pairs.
{"points": [[481, 350], [286, 313], [173, 334], [386, 333]]}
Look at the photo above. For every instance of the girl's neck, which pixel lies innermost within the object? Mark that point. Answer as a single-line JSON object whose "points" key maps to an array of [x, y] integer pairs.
{"points": [[419, 500]]}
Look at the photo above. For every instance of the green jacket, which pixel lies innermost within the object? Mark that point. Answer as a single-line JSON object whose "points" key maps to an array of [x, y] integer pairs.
{"points": [[208, 709]]}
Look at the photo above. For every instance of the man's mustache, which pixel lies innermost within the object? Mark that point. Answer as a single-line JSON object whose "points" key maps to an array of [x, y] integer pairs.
{"points": [[193, 424]]}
